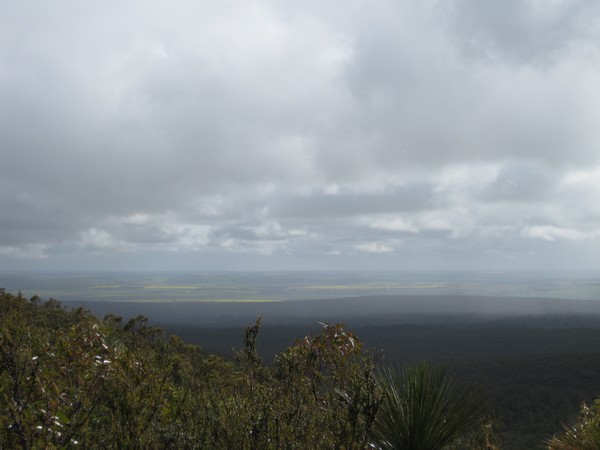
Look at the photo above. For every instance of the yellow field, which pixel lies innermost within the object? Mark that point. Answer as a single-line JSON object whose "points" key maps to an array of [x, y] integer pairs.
{"points": [[206, 300], [364, 287], [162, 286]]}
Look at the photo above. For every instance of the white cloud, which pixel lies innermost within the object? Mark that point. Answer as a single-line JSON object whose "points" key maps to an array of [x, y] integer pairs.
{"points": [[100, 240], [187, 236], [28, 251], [582, 180], [374, 247], [552, 233], [137, 219], [392, 224]]}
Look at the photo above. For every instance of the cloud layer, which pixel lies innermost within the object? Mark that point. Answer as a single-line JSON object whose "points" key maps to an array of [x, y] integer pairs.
{"points": [[282, 135]]}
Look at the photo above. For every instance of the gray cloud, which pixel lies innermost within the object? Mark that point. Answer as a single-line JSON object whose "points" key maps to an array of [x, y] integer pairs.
{"points": [[312, 135], [410, 197], [530, 32], [522, 182]]}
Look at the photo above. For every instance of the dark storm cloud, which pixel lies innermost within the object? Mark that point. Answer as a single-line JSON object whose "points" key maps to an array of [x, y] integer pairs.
{"points": [[402, 130]]}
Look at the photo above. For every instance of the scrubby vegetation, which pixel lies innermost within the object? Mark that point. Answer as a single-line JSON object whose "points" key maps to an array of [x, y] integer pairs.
{"points": [[70, 380]]}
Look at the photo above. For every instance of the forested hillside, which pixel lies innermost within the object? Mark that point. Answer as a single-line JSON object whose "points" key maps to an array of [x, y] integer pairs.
{"points": [[70, 380]]}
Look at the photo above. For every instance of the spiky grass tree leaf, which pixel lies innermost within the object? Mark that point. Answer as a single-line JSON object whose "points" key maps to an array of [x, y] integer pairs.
{"points": [[583, 433], [424, 409]]}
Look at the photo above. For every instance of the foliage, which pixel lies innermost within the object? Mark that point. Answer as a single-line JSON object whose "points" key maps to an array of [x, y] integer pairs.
{"points": [[484, 436], [69, 380], [333, 376], [424, 409], [583, 433]]}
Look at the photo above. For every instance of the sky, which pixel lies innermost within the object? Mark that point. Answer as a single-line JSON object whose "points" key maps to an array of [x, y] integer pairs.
{"points": [[285, 135]]}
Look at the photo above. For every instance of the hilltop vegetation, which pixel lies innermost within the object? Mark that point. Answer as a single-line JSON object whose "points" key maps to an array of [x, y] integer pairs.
{"points": [[70, 380]]}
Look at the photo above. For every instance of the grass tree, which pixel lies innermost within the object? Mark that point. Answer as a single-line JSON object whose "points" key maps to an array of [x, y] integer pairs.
{"points": [[424, 409], [581, 434]]}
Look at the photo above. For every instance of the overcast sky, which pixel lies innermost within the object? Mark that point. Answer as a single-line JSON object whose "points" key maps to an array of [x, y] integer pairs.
{"points": [[354, 134]]}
